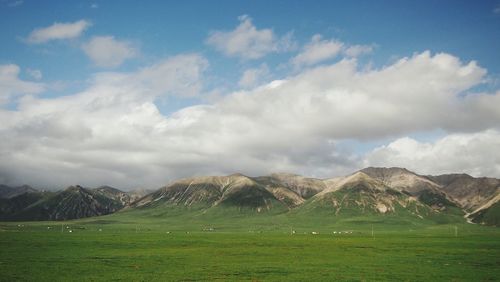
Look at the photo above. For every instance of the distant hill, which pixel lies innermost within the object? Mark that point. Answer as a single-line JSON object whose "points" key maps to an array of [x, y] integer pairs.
{"points": [[7, 192], [372, 191], [479, 197], [138, 193], [72, 203], [471, 193], [10, 207]]}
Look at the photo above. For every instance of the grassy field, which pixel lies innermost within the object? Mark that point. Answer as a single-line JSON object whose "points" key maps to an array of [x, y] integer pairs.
{"points": [[151, 245]]}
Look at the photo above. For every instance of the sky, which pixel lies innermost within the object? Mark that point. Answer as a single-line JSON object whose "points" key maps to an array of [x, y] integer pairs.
{"points": [[135, 94]]}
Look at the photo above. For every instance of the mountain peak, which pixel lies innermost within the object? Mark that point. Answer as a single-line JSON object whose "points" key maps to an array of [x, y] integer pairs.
{"points": [[74, 188], [237, 174], [108, 189], [284, 175], [373, 189], [386, 171], [352, 180], [358, 176], [401, 179]]}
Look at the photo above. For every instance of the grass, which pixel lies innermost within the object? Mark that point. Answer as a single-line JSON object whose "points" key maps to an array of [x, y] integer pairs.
{"points": [[490, 216], [170, 244]]}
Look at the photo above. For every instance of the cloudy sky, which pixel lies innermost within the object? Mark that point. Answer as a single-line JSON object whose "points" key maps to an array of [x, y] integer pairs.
{"points": [[138, 93]]}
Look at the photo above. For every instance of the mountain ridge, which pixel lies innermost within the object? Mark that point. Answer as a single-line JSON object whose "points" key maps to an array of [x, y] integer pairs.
{"points": [[372, 190], [71, 203]]}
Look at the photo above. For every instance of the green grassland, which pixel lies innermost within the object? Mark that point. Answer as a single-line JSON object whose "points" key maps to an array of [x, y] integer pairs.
{"points": [[189, 244]]}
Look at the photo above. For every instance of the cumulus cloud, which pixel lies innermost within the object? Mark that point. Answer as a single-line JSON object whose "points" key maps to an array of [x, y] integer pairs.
{"points": [[358, 50], [477, 154], [113, 132], [100, 134], [11, 85], [248, 42], [320, 50], [253, 76], [106, 51], [317, 50], [58, 31]]}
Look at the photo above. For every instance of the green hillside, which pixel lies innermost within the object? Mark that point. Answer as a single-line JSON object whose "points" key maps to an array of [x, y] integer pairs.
{"points": [[489, 216]]}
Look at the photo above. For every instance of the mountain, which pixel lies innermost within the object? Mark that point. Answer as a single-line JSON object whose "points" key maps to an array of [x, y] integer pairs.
{"points": [[479, 197], [210, 191], [401, 179], [405, 181], [361, 195], [13, 205], [72, 203], [373, 191], [7, 192], [356, 194], [488, 215], [138, 193], [114, 194], [303, 187], [471, 193]]}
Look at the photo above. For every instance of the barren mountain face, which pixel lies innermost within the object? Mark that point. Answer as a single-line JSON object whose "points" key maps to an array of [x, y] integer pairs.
{"points": [[375, 191], [472, 193]]}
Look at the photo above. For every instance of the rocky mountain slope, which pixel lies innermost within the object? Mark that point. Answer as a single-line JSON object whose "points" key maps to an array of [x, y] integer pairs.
{"points": [[233, 190], [10, 207], [405, 181], [72, 203], [7, 192], [479, 197], [370, 191], [360, 193], [355, 194]]}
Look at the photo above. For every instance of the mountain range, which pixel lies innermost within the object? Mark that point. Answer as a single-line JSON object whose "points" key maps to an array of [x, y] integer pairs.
{"points": [[25, 203], [371, 191]]}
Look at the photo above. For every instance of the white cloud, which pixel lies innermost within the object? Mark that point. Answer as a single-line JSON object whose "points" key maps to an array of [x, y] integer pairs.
{"points": [[36, 74], [94, 6], [320, 50], [477, 154], [113, 133], [253, 76], [248, 42], [358, 50], [286, 43], [102, 132], [317, 50], [106, 51], [11, 85], [58, 31]]}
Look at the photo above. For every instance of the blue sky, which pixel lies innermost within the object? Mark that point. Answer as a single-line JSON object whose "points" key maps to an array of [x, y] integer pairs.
{"points": [[196, 61], [467, 29]]}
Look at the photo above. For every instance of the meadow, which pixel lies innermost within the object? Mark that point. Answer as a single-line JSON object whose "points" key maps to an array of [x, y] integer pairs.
{"points": [[135, 246]]}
